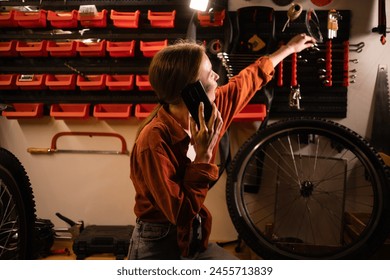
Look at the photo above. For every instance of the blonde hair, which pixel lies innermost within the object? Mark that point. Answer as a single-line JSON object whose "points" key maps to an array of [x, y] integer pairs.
{"points": [[170, 70]]}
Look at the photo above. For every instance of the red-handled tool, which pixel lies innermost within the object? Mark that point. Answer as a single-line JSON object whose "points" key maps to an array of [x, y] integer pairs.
{"points": [[53, 148]]}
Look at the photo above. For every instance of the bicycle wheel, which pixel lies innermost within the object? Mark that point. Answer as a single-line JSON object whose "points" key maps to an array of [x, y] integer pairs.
{"points": [[309, 189], [17, 209]]}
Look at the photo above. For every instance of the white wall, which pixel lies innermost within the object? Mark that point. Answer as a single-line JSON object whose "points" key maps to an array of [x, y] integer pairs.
{"points": [[97, 188]]}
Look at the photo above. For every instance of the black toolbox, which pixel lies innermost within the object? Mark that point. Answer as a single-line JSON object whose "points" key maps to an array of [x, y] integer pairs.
{"points": [[97, 239]]}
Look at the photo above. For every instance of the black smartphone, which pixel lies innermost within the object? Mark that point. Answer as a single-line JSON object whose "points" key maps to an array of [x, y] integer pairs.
{"points": [[192, 95]]}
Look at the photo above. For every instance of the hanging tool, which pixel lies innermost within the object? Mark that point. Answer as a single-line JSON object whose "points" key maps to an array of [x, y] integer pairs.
{"points": [[292, 14], [380, 134], [295, 91], [53, 148], [382, 25]]}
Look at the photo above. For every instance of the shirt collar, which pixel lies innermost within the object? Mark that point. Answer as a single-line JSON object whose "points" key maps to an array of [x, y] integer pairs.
{"points": [[176, 131]]}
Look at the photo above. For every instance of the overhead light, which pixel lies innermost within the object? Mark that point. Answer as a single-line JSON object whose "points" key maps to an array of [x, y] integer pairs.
{"points": [[200, 5]]}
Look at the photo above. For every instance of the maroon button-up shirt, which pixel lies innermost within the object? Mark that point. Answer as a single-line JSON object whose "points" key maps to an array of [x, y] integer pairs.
{"points": [[169, 187]]}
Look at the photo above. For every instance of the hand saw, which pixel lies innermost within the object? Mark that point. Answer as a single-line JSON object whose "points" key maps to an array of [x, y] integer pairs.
{"points": [[380, 134]]}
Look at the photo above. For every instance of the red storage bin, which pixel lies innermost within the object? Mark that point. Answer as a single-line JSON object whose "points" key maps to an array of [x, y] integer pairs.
{"points": [[98, 20], [8, 81], [7, 19], [69, 111], [91, 82], [61, 81], [8, 48], [142, 82], [120, 82], [112, 111], [142, 111], [24, 111], [37, 82], [121, 49], [62, 49], [125, 19], [31, 19], [217, 18], [97, 49], [149, 49], [61, 19], [251, 113], [32, 49], [162, 19]]}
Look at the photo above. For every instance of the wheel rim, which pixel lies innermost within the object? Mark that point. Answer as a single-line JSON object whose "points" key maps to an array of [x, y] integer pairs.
{"points": [[323, 202]]}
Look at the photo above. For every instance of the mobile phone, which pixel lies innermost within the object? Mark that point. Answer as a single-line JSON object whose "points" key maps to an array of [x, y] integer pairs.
{"points": [[192, 95]]}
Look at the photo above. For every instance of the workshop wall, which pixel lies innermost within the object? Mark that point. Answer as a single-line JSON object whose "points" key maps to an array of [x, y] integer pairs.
{"points": [[97, 188]]}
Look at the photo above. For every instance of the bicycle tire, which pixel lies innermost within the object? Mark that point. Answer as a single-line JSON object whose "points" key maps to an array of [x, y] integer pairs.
{"points": [[17, 210], [283, 210]]}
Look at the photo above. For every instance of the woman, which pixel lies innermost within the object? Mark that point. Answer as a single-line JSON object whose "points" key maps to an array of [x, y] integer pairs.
{"points": [[172, 161]]}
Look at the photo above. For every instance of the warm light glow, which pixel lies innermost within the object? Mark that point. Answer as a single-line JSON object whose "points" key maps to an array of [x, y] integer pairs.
{"points": [[200, 5]]}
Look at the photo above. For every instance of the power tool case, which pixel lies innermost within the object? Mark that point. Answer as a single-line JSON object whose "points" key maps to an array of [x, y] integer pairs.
{"points": [[97, 239]]}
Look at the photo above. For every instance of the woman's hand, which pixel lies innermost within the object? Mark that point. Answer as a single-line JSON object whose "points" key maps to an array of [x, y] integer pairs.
{"points": [[300, 42], [206, 136], [296, 44]]}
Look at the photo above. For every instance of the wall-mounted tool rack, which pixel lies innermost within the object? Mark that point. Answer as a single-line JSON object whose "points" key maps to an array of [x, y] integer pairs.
{"points": [[59, 58], [323, 74]]}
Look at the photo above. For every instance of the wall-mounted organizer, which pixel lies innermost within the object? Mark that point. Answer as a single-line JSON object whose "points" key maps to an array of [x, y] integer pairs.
{"points": [[314, 82], [78, 65]]}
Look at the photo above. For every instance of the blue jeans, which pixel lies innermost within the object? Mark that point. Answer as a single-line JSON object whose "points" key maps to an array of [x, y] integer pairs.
{"points": [[155, 241]]}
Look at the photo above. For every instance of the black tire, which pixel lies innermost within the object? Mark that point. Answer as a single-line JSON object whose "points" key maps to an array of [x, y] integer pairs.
{"points": [[17, 209], [309, 189]]}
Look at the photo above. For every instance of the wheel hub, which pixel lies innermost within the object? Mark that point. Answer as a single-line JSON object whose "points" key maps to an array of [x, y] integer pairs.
{"points": [[307, 188]]}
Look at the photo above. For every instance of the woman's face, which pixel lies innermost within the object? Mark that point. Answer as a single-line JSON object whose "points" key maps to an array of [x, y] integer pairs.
{"points": [[208, 77]]}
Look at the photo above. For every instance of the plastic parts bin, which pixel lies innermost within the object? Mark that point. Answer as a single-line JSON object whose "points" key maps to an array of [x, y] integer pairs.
{"points": [[34, 82], [120, 82], [31, 19], [112, 111], [61, 49], [143, 110], [61, 81], [69, 111], [61, 19], [8, 49], [162, 19], [121, 49], [142, 82], [91, 82], [98, 20], [7, 19], [125, 19], [24, 111], [93, 49], [149, 49], [251, 113], [8, 81], [32, 49]]}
